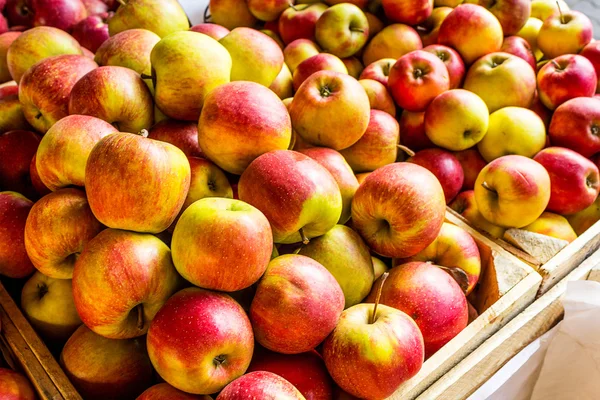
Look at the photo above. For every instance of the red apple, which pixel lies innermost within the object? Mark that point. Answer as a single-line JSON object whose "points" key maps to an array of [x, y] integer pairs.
{"points": [[181, 134], [319, 62], [412, 131], [215, 31], [445, 167], [95, 7], [576, 125], [260, 385], [297, 304], [564, 78], [409, 12], [299, 22], [472, 163], [13, 385], [92, 31], [17, 148], [164, 391], [61, 14], [592, 53], [541, 110], [14, 209], [416, 79], [519, 47], [378, 70], [208, 352], [17, 13], [453, 62], [6, 40], [412, 193], [512, 14], [36, 181], [11, 110]]}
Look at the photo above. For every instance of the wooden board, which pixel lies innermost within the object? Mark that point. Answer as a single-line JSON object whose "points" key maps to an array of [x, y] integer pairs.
{"points": [[507, 286], [31, 353], [462, 380]]}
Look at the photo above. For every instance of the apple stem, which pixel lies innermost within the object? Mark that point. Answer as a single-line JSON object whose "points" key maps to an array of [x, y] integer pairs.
{"points": [[305, 238], [122, 2], [487, 187], [553, 62], [379, 290], [406, 150], [140, 316], [562, 17], [143, 133], [145, 76], [357, 30], [207, 15]]}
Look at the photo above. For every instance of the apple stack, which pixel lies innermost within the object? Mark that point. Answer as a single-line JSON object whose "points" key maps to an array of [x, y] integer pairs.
{"points": [[220, 204]]}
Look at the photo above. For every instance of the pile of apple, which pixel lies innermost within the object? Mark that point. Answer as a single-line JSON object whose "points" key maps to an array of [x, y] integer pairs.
{"points": [[221, 204]]}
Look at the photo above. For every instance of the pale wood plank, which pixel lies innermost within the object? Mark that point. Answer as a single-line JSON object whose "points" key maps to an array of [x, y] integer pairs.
{"points": [[542, 247]]}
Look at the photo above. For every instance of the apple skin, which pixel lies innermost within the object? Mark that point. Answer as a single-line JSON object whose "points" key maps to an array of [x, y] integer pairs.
{"points": [[318, 62], [15, 386], [519, 47], [453, 248], [456, 120], [260, 385], [11, 112], [45, 88], [412, 126], [215, 31], [378, 70], [241, 121], [416, 79], [512, 14], [59, 225], [445, 167], [430, 28], [61, 14], [37, 44], [181, 134], [371, 360], [342, 30], [564, 78], [121, 162], [92, 31], [542, 9], [338, 103], [557, 38], [65, 149], [431, 297], [231, 13], [102, 368], [471, 30], [283, 85], [513, 130], [297, 304], [299, 22], [553, 225], [472, 163], [393, 41], [379, 267], [575, 125], [164, 391], [298, 51], [409, 12], [465, 205], [377, 147], [36, 181], [255, 56], [17, 14], [574, 180], [354, 66], [14, 209], [6, 40], [95, 7], [453, 62], [222, 226], [17, 148], [584, 219], [205, 345], [162, 17], [207, 180], [591, 51], [421, 199], [379, 98], [339, 169], [512, 191], [502, 73], [48, 305]]}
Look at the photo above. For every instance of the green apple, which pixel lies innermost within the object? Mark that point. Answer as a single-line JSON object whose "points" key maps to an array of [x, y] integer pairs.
{"points": [[130, 49], [342, 30], [162, 17]]}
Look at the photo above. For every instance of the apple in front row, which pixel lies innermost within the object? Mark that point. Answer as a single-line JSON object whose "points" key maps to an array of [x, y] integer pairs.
{"points": [[164, 391], [260, 385], [14, 385]]}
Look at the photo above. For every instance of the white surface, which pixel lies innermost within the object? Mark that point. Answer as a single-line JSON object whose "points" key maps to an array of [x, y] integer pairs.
{"points": [[194, 9], [564, 364]]}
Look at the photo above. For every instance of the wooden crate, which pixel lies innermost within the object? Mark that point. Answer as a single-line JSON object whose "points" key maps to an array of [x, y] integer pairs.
{"points": [[479, 366], [31, 354], [507, 286], [553, 259]]}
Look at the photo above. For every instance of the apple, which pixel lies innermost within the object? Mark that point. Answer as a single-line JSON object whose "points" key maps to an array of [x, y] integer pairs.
{"points": [[241, 121], [181, 134], [553, 225], [342, 30], [16, 151], [445, 167], [584, 219], [377, 147], [379, 98], [471, 30], [14, 385], [530, 33], [318, 62], [57, 229], [430, 28], [162, 17], [11, 111], [576, 125], [61, 14], [95, 7], [376, 25], [283, 85], [37, 44], [208, 353], [565, 78], [456, 120], [472, 163], [215, 31], [512, 191], [48, 305], [231, 13], [564, 32], [102, 368], [255, 56], [36, 181], [393, 41], [542, 9], [542, 111], [378, 70], [330, 109], [519, 47], [409, 12], [313, 202], [354, 66], [297, 304], [298, 22], [431, 296], [164, 391], [6, 40], [379, 267], [452, 60], [273, 35], [17, 13], [412, 126], [45, 88], [260, 385], [361, 177], [14, 209], [591, 51], [465, 205], [513, 130], [207, 180], [298, 51], [502, 73], [574, 180], [92, 31], [362, 4], [512, 14], [380, 220]]}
